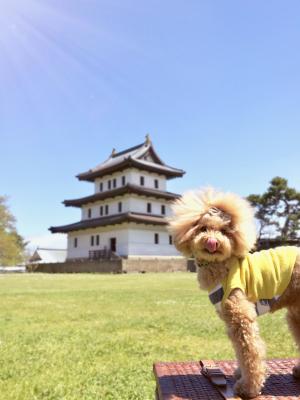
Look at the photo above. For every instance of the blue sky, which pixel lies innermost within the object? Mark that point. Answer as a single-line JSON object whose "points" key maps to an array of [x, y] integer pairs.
{"points": [[215, 83]]}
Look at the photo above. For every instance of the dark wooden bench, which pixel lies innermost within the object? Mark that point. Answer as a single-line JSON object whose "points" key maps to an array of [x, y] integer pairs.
{"points": [[185, 381]]}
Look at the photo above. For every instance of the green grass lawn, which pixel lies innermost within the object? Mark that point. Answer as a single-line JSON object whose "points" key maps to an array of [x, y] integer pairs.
{"points": [[91, 336]]}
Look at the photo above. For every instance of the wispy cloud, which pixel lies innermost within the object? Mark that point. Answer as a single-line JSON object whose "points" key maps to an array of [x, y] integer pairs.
{"points": [[49, 241]]}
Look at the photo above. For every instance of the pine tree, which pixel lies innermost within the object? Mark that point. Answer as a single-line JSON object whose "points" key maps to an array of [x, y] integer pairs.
{"points": [[278, 211]]}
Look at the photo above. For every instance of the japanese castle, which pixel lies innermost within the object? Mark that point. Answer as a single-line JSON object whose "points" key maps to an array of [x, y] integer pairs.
{"points": [[126, 214]]}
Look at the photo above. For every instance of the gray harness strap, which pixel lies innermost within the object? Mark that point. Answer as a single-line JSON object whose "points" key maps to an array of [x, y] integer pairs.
{"points": [[262, 306]]}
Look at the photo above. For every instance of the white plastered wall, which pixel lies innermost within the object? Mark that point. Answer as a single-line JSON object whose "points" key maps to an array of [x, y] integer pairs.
{"points": [[132, 175], [130, 202], [132, 240], [141, 241], [120, 232]]}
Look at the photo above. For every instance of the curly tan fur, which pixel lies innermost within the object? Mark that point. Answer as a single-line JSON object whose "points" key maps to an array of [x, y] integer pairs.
{"points": [[193, 209], [227, 220]]}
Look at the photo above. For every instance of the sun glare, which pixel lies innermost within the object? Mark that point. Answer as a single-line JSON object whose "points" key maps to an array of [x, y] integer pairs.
{"points": [[48, 40]]}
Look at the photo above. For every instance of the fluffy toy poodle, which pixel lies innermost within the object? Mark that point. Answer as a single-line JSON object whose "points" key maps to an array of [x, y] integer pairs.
{"points": [[218, 230]]}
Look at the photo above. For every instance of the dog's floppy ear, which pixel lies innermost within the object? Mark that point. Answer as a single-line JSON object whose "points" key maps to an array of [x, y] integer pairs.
{"points": [[182, 240], [242, 220], [184, 222], [243, 243]]}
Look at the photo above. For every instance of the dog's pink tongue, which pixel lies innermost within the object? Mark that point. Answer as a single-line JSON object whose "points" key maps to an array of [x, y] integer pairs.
{"points": [[211, 245]]}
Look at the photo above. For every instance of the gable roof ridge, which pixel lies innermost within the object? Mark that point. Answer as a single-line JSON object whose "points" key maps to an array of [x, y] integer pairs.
{"points": [[154, 155], [133, 156], [130, 149]]}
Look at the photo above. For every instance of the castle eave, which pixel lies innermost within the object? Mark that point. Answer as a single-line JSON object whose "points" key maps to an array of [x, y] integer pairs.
{"points": [[110, 220], [127, 189], [167, 171]]}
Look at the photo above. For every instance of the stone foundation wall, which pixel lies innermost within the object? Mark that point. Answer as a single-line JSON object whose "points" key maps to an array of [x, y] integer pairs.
{"points": [[154, 265], [113, 266], [108, 267], [271, 243]]}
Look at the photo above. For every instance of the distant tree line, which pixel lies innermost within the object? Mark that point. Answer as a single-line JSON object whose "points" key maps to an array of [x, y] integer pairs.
{"points": [[278, 211], [12, 245]]}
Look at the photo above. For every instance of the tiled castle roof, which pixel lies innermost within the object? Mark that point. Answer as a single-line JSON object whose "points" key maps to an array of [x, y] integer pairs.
{"points": [[129, 188], [142, 156], [138, 218]]}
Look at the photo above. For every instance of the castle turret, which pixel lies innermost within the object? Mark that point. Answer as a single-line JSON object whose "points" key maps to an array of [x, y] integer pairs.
{"points": [[126, 213]]}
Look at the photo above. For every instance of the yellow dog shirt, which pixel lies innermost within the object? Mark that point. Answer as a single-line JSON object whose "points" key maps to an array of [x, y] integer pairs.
{"points": [[263, 277]]}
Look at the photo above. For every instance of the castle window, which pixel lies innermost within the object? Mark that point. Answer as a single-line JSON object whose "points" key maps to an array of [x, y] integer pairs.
{"points": [[106, 209], [170, 239], [101, 187], [115, 183], [97, 240], [156, 238], [156, 183], [163, 209], [109, 184], [120, 206], [101, 211], [75, 242], [123, 180], [142, 180], [92, 240], [89, 213], [149, 207]]}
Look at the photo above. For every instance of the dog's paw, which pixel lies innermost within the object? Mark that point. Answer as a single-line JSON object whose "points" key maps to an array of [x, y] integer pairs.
{"points": [[296, 371], [245, 389], [237, 373]]}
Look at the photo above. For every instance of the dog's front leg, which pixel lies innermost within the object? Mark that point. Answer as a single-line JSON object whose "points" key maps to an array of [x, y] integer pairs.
{"points": [[240, 317]]}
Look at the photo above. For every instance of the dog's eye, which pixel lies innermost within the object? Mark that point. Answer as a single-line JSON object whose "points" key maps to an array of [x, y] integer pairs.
{"points": [[224, 231], [203, 229]]}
